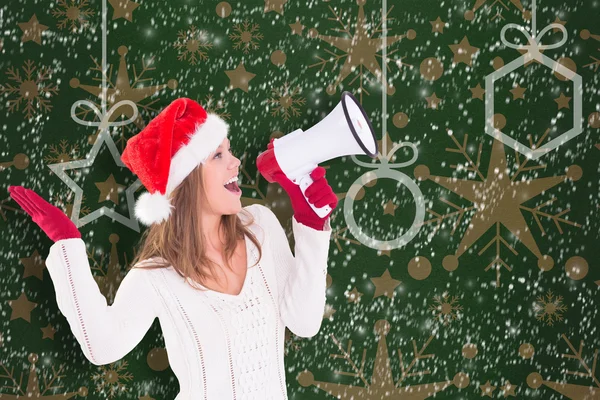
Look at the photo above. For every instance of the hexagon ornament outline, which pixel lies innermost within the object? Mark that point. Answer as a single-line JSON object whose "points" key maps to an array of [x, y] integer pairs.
{"points": [[533, 48]]}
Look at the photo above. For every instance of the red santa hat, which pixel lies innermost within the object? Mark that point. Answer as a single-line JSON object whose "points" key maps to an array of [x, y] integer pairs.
{"points": [[168, 149]]}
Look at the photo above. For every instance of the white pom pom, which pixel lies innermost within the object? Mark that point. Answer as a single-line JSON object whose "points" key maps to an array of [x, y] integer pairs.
{"points": [[152, 207]]}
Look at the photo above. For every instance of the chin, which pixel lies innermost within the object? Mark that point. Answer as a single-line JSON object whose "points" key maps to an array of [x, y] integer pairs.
{"points": [[234, 211]]}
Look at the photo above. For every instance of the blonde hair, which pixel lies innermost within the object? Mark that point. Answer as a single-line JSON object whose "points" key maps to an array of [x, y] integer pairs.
{"points": [[178, 240]]}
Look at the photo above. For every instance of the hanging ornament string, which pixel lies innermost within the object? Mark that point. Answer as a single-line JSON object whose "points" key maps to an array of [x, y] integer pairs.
{"points": [[103, 115], [534, 42]]}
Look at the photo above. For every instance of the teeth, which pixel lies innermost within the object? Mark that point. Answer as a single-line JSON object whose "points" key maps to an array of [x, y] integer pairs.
{"points": [[234, 179]]}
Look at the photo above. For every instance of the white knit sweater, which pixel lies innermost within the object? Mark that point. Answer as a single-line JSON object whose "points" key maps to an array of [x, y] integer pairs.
{"points": [[220, 346]]}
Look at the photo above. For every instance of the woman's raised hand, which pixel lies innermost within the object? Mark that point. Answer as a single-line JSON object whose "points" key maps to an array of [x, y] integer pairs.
{"points": [[51, 219], [319, 192]]}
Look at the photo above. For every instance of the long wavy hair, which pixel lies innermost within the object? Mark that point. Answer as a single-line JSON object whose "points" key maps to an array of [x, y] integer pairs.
{"points": [[178, 241]]}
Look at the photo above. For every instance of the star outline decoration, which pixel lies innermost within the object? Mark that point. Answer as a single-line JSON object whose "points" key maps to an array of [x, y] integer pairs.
{"points": [[60, 168]]}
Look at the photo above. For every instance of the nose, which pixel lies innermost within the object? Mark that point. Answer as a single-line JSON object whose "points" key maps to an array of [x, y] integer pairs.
{"points": [[237, 160]]}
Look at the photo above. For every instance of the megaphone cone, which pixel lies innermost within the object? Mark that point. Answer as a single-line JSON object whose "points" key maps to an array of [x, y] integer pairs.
{"points": [[344, 131]]}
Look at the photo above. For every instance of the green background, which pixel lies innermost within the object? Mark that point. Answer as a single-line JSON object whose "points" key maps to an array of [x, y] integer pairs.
{"points": [[465, 332]]}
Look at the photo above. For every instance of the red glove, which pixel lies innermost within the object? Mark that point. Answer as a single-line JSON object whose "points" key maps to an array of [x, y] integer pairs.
{"points": [[51, 219], [319, 192]]}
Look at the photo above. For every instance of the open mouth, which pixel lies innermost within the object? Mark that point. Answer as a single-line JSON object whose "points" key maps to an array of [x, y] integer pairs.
{"points": [[233, 187]]}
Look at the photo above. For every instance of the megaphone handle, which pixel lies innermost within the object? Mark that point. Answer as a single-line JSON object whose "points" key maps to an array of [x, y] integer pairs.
{"points": [[304, 182]]}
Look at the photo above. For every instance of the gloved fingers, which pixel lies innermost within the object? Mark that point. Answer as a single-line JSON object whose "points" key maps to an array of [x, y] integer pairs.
{"points": [[19, 197], [334, 201], [310, 199], [38, 203], [316, 187], [322, 201], [325, 199], [319, 194], [317, 173]]}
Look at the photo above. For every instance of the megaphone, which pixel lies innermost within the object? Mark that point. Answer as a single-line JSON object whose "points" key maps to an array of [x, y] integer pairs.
{"points": [[344, 131]]}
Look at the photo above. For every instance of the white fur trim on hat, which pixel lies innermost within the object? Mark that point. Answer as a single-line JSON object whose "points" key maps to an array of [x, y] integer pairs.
{"points": [[152, 207], [203, 141]]}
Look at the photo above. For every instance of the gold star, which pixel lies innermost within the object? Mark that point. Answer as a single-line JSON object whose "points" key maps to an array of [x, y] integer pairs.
{"points": [[32, 30], [463, 51], [21, 308], [389, 208], [558, 21], [354, 296], [477, 92], [123, 9], [384, 253], [433, 101], [109, 190], [239, 77], [487, 389], [385, 285], [48, 332], [438, 25], [509, 389], [518, 92], [329, 311], [34, 266], [498, 199], [562, 101], [122, 89], [360, 51], [297, 28], [274, 5]]}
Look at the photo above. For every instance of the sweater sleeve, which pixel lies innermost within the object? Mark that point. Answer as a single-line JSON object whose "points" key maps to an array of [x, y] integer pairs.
{"points": [[105, 333], [301, 279]]}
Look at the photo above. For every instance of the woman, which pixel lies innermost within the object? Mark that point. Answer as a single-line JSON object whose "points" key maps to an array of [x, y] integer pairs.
{"points": [[221, 278]]}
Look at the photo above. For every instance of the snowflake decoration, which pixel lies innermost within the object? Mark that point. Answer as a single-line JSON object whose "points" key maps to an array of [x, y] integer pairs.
{"points": [[62, 153], [111, 378], [29, 89], [382, 382], [470, 14], [285, 102], [73, 13], [446, 310], [39, 383], [550, 309], [246, 36], [192, 43], [215, 107], [67, 207], [585, 35]]}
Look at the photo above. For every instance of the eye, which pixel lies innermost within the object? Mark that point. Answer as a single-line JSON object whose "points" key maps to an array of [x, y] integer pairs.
{"points": [[220, 153]]}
